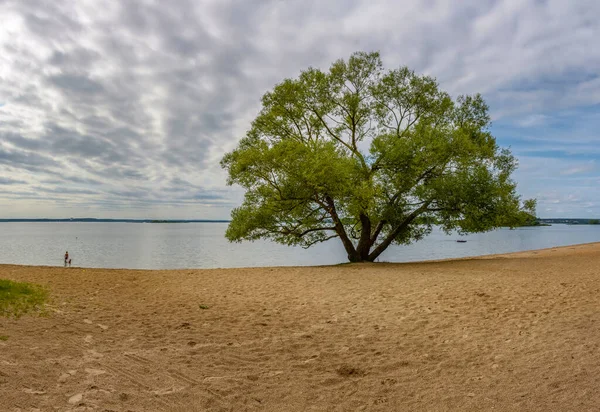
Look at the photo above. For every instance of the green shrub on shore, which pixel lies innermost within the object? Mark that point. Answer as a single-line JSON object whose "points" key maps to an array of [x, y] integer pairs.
{"points": [[18, 298]]}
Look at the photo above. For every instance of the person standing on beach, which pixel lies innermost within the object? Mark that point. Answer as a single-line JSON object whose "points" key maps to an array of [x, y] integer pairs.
{"points": [[66, 257]]}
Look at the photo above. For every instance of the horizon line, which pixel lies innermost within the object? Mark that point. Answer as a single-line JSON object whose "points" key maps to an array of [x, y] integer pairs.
{"points": [[107, 219]]}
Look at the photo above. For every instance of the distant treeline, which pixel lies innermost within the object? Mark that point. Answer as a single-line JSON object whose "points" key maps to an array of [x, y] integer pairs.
{"points": [[571, 221], [93, 220]]}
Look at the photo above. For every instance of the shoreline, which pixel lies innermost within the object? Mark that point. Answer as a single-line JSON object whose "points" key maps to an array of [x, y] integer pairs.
{"points": [[528, 253], [500, 332]]}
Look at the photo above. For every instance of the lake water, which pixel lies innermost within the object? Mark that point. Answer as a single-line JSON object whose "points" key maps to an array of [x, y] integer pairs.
{"points": [[203, 245]]}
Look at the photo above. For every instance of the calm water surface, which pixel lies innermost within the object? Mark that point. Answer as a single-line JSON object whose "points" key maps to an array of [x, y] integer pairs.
{"points": [[203, 245]]}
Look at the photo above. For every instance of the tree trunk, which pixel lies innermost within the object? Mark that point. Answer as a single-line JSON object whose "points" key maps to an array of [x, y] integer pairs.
{"points": [[354, 257], [364, 244]]}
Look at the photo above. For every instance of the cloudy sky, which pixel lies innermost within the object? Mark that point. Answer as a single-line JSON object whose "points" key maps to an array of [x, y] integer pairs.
{"points": [[124, 108]]}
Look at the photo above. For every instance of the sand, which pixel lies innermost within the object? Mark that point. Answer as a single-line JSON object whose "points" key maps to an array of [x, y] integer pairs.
{"points": [[517, 332]]}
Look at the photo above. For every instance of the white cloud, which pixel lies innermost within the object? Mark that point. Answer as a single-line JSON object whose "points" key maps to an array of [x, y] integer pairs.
{"points": [[581, 169], [533, 120]]}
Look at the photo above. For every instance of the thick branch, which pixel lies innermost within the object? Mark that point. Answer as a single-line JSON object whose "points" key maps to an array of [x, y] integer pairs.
{"points": [[339, 228], [394, 233], [377, 231]]}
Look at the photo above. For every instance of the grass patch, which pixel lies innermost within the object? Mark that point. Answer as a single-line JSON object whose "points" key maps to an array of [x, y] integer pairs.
{"points": [[3, 337], [202, 306], [18, 298]]}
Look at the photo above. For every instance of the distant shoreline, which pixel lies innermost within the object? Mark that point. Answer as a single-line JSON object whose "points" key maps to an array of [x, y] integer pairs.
{"points": [[94, 220], [543, 222]]}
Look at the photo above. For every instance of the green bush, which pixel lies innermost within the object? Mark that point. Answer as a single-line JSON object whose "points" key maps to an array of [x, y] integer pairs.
{"points": [[17, 298]]}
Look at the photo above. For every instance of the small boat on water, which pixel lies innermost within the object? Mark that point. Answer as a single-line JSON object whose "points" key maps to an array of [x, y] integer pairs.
{"points": [[461, 241]]}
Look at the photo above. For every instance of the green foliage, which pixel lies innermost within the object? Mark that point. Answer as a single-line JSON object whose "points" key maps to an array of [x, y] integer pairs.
{"points": [[594, 222], [527, 216], [371, 157], [18, 298], [527, 219]]}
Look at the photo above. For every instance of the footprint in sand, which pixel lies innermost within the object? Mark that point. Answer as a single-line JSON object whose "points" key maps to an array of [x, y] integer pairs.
{"points": [[34, 392], [94, 372], [65, 376], [75, 399], [92, 355], [78, 397]]}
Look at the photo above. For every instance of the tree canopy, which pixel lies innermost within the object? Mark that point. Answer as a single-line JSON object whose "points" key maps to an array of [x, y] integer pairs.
{"points": [[371, 157]]}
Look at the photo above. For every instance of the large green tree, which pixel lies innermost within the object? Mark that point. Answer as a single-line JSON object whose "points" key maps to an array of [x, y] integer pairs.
{"points": [[371, 157]]}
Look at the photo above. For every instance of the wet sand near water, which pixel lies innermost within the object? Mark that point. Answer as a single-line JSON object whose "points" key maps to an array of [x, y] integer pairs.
{"points": [[515, 332]]}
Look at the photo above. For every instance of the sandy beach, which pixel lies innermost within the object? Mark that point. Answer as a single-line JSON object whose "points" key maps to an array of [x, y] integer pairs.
{"points": [[518, 332]]}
